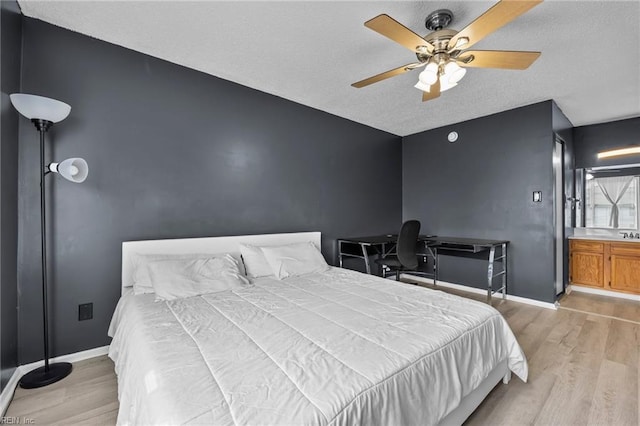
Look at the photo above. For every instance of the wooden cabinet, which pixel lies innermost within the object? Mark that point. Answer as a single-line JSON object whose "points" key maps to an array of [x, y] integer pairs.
{"points": [[587, 269], [587, 263], [609, 265], [625, 267]]}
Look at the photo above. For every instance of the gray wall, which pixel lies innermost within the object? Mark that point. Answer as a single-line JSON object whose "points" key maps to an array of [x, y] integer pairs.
{"points": [[176, 153], [10, 39], [481, 186], [589, 140]]}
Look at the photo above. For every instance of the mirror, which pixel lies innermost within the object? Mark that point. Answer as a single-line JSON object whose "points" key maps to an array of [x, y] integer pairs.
{"points": [[608, 197]]}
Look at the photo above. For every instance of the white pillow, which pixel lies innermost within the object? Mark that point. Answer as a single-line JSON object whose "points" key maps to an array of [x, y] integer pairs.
{"points": [[142, 279], [294, 259], [178, 278], [254, 261]]}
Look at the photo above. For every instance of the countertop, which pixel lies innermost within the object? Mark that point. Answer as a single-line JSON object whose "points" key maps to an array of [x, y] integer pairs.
{"points": [[605, 238]]}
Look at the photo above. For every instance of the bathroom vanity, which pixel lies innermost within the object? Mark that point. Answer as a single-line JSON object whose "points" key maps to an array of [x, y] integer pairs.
{"points": [[608, 263]]}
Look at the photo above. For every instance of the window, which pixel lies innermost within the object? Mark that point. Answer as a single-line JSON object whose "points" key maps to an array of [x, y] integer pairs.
{"points": [[612, 202]]}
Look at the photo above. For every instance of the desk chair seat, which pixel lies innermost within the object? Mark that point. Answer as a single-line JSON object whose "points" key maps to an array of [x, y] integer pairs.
{"points": [[406, 258], [391, 261]]}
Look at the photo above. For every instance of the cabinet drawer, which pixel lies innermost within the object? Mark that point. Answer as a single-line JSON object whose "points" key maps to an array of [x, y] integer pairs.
{"points": [[587, 245], [628, 249]]}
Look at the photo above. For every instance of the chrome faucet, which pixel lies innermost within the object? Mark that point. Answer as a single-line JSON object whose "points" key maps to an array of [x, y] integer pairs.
{"points": [[630, 235]]}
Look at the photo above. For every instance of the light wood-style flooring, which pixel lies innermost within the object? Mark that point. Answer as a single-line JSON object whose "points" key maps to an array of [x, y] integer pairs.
{"points": [[583, 370], [88, 396]]}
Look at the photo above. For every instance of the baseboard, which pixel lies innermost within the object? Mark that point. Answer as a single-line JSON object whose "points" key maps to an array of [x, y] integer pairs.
{"points": [[74, 357], [474, 290], [7, 393], [599, 292]]}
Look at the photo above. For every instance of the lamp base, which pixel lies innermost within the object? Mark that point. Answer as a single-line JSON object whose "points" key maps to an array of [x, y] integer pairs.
{"points": [[39, 377]]}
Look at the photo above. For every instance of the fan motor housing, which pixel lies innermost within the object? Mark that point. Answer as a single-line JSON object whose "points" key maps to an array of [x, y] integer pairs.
{"points": [[438, 20], [439, 40]]}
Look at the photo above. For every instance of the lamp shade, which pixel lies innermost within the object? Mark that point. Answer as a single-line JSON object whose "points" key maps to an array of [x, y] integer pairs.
{"points": [[445, 83], [424, 87], [40, 108], [430, 74], [74, 170], [454, 72]]}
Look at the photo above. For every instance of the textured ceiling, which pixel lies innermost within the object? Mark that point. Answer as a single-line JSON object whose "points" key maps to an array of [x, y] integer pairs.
{"points": [[310, 53]]}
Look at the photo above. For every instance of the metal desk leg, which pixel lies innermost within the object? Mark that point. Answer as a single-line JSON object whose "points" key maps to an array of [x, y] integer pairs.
{"points": [[366, 258], [435, 266], [340, 253], [504, 268], [492, 255]]}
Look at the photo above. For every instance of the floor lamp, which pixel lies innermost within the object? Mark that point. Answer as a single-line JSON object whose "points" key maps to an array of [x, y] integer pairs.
{"points": [[43, 113]]}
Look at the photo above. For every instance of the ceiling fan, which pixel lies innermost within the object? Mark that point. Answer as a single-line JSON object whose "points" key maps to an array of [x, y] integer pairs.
{"points": [[442, 52]]}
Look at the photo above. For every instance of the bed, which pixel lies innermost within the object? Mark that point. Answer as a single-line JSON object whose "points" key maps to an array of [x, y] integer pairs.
{"points": [[334, 347]]}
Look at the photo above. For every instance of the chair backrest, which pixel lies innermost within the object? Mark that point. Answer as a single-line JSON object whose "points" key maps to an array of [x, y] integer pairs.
{"points": [[407, 240]]}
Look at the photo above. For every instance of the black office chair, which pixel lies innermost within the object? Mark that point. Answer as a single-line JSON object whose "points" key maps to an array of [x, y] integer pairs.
{"points": [[406, 257]]}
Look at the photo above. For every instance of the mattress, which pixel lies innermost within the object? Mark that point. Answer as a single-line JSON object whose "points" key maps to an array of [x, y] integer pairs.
{"points": [[331, 348]]}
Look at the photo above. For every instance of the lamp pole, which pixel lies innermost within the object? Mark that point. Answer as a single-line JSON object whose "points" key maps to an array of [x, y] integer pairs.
{"points": [[43, 126], [49, 373]]}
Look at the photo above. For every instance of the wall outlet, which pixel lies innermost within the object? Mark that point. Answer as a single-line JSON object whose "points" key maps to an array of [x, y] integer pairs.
{"points": [[85, 311]]}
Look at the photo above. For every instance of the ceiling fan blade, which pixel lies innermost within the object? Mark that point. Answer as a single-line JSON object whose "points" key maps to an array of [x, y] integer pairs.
{"points": [[499, 15], [385, 75], [390, 28], [512, 60], [433, 93]]}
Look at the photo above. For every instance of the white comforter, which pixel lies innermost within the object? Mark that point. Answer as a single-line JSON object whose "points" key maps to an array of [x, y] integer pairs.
{"points": [[338, 347]]}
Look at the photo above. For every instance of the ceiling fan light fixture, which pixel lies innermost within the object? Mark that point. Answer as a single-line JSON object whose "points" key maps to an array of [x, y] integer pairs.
{"points": [[443, 52], [430, 74], [424, 87], [453, 72], [445, 83]]}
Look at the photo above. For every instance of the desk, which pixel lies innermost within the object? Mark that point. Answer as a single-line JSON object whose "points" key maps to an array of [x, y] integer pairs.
{"points": [[382, 245], [435, 246], [456, 246]]}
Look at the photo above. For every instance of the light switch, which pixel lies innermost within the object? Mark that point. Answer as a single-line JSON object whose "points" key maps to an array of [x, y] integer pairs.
{"points": [[537, 196]]}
